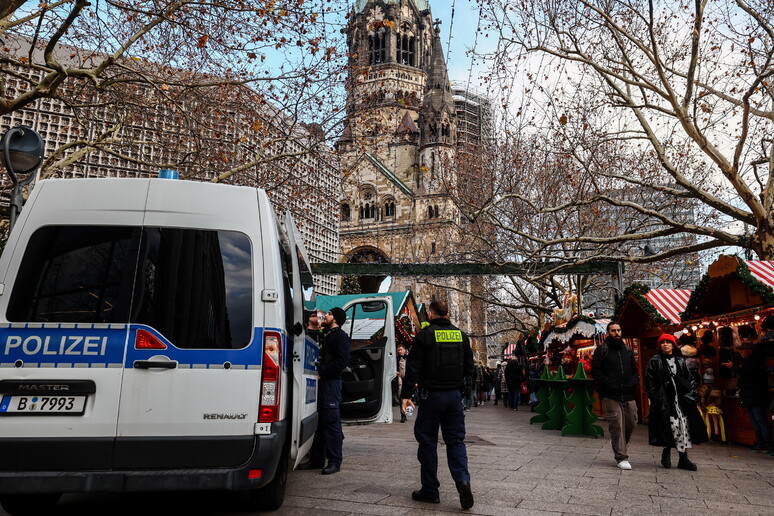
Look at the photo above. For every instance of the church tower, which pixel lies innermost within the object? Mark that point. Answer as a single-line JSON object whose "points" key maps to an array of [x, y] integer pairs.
{"points": [[398, 148]]}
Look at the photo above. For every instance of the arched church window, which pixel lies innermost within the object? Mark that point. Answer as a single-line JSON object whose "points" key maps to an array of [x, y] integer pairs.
{"points": [[345, 212], [436, 211], [377, 52], [389, 208], [429, 212], [405, 50], [369, 211], [432, 248]]}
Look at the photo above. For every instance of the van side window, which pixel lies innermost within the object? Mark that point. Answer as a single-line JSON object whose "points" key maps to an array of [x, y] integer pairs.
{"points": [[77, 274], [287, 287], [196, 287]]}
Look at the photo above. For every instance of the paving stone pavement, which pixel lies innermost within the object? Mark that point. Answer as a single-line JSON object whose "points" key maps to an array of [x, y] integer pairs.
{"points": [[519, 469]]}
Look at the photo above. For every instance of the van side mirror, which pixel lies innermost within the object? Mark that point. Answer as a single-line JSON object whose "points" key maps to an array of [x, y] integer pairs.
{"points": [[297, 329]]}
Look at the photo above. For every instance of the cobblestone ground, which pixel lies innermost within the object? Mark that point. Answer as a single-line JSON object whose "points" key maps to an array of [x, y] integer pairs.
{"points": [[519, 469], [516, 469]]}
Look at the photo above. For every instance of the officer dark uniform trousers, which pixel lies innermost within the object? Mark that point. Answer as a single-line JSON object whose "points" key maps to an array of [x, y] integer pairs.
{"points": [[328, 440], [439, 360]]}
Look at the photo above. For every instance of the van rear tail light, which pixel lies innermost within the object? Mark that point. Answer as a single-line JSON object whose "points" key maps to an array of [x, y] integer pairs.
{"points": [[270, 378], [146, 340]]}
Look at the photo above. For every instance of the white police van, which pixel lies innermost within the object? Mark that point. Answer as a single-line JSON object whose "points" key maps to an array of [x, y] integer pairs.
{"points": [[151, 338]]}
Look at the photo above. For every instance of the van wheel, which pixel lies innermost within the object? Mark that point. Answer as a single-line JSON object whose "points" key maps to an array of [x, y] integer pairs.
{"points": [[21, 504], [271, 496]]}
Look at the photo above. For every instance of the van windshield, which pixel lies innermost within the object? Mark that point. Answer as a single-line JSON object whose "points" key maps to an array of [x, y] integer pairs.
{"points": [[193, 286]]}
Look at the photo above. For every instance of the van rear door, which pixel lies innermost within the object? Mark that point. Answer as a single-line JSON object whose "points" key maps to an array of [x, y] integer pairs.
{"points": [[68, 270], [305, 351], [366, 386], [190, 393]]}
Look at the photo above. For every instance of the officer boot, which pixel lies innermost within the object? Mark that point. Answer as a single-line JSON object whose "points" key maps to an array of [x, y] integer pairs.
{"points": [[684, 463], [666, 460]]}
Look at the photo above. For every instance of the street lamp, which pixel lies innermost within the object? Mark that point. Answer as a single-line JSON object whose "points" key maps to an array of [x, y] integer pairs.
{"points": [[22, 153]]}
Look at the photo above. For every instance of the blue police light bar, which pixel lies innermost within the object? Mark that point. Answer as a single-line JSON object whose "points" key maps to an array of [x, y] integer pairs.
{"points": [[166, 173]]}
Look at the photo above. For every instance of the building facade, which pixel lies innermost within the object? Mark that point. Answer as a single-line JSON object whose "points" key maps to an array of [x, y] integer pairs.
{"points": [[222, 134], [398, 153]]}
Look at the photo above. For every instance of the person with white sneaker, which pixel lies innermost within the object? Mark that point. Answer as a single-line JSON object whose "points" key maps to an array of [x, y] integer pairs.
{"points": [[615, 374]]}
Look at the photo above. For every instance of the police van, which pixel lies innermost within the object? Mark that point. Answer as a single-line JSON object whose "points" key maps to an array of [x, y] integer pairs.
{"points": [[151, 338]]}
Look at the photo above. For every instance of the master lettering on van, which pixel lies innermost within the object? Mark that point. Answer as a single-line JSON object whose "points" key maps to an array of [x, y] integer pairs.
{"points": [[60, 345]]}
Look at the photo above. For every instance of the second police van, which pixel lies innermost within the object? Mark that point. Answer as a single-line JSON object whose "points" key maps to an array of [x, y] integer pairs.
{"points": [[151, 338]]}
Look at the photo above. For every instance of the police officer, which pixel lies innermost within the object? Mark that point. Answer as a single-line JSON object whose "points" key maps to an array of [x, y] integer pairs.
{"points": [[313, 326], [439, 360], [334, 357]]}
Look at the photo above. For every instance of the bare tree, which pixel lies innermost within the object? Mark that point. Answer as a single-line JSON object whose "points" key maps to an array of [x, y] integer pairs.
{"points": [[650, 110], [222, 84]]}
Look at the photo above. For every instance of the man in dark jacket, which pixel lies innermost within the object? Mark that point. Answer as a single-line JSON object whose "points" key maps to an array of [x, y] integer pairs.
{"points": [[438, 363], [513, 378], [755, 395], [615, 373], [334, 357]]}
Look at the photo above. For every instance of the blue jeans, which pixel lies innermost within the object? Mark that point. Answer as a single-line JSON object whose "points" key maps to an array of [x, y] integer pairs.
{"points": [[444, 409], [759, 418]]}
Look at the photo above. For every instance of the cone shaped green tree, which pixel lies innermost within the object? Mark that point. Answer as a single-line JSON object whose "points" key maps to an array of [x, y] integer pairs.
{"points": [[542, 394], [556, 397], [579, 418]]}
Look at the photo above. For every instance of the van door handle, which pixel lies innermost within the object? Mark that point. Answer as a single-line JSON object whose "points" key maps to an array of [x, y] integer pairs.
{"points": [[155, 364]]}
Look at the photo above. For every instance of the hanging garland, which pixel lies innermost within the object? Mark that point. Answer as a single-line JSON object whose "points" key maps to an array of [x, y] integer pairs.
{"points": [[747, 279], [638, 291], [751, 282], [698, 293], [570, 325]]}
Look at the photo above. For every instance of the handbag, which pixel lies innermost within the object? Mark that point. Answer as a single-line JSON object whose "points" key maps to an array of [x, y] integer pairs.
{"points": [[524, 388]]}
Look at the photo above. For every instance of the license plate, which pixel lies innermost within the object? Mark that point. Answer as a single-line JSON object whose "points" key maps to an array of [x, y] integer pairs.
{"points": [[42, 405]]}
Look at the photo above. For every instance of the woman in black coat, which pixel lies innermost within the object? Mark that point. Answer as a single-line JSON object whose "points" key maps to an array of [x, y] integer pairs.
{"points": [[675, 421]]}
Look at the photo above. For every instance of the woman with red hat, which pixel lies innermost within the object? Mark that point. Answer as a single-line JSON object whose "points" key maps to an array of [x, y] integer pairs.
{"points": [[674, 421]]}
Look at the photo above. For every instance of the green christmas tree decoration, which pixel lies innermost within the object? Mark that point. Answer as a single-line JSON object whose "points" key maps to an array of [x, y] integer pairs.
{"points": [[578, 416], [542, 394], [556, 398]]}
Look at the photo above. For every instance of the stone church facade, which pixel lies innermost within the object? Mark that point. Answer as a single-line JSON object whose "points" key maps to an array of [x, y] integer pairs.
{"points": [[397, 153]]}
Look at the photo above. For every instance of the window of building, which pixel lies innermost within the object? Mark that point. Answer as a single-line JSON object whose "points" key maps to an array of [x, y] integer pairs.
{"points": [[405, 50], [389, 208], [345, 212], [432, 248], [368, 211], [377, 50]]}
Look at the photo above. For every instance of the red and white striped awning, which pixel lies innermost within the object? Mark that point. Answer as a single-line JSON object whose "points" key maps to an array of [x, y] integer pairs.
{"points": [[762, 271], [509, 350], [669, 302]]}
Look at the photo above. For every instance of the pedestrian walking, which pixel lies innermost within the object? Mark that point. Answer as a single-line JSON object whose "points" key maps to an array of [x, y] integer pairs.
{"points": [[334, 357], [755, 395], [439, 361], [513, 377], [504, 388], [498, 378], [615, 374], [402, 352], [674, 421]]}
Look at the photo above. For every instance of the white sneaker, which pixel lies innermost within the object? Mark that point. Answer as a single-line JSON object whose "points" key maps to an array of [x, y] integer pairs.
{"points": [[624, 464]]}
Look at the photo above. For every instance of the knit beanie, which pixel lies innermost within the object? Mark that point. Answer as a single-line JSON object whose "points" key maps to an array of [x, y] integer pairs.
{"points": [[339, 315]]}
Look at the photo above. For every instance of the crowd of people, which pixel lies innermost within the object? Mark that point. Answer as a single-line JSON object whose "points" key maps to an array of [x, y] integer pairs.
{"points": [[439, 375]]}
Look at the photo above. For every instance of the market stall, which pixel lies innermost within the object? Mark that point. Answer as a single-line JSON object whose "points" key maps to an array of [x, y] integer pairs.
{"points": [[567, 345], [725, 315], [644, 314]]}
